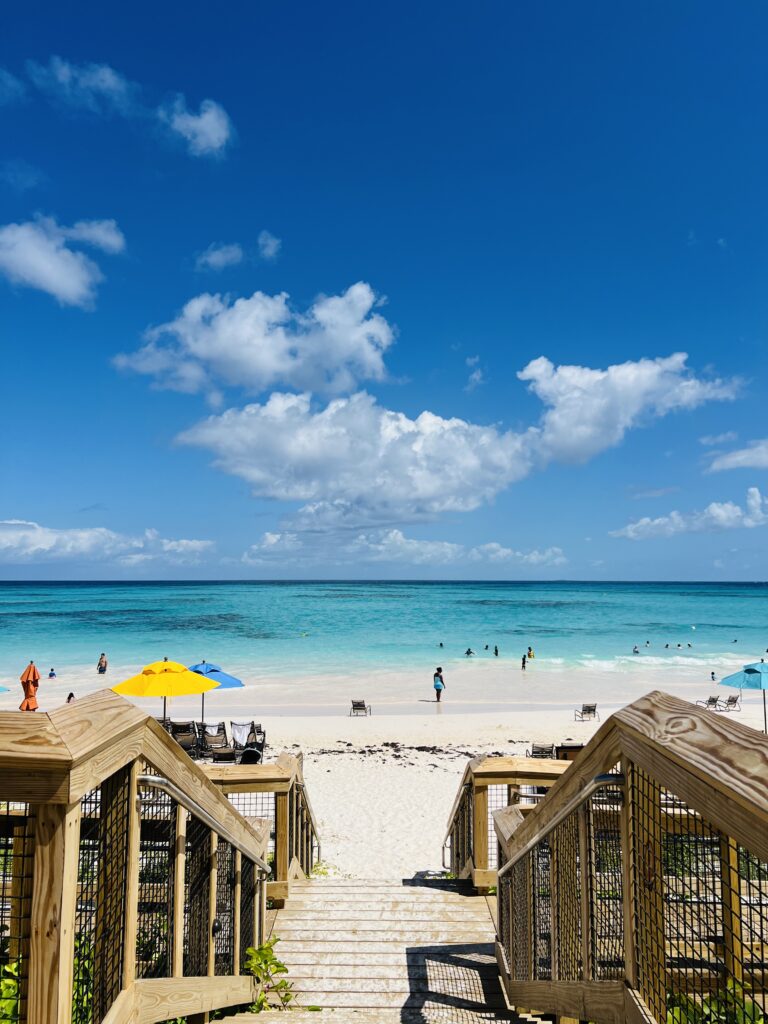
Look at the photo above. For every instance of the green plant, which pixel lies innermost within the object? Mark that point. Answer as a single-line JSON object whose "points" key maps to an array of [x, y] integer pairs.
{"points": [[728, 1005], [275, 991], [82, 978], [9, 993]]}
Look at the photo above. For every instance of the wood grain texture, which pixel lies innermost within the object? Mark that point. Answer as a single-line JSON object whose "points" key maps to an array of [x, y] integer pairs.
{"points": [[54, 891], [593, 1000], [167, 998]]}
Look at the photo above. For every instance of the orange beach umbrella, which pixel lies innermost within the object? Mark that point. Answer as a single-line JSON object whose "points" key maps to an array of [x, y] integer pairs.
{"points": [[30, 679]]}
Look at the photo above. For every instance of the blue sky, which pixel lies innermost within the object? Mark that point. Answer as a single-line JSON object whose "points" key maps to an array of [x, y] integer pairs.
{"points": [[290, 290]]}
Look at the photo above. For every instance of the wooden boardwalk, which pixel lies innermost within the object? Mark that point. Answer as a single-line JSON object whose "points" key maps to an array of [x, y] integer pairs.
{"points": [[406, 952]]}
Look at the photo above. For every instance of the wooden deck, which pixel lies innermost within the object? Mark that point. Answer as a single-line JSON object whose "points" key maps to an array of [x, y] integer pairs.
{"points": [[391, 952]]}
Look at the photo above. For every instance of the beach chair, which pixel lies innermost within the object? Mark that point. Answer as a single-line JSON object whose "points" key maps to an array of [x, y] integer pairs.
{"points": [[587, 713], [251, 756], [248, 736], [217, 744], [359, 707], [732, 703], [185, 735], [711, 703], [541, 750]]}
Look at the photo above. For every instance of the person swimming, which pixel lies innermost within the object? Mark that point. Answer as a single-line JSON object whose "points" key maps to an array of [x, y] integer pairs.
{"points": [[635, 649], [52, 674], [530, 653], [468, 653]]}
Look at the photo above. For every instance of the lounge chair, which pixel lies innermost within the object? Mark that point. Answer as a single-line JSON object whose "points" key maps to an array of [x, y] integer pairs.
{"points": [[587, 713], [711, 703], [217, 745], [732, 703], [541, 750], [359, 707], [248, 736], [185, 735], [251, 756]]}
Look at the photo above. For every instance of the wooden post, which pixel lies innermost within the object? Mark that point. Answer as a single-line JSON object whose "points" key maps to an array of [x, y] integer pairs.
{"points": [[648, 867], [236, 896], [480, 828], [54, 894], [281, 838], [587, 894], [179, 895], [626, 827], [132, 879], [731, 895]]}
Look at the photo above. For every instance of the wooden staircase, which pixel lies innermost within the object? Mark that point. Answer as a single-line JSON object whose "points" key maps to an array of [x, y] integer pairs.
{"points": [[400, 952]]}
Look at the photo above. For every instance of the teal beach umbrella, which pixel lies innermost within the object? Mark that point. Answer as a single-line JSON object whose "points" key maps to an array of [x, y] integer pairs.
{"points": [[751, 677], [218, 675]]}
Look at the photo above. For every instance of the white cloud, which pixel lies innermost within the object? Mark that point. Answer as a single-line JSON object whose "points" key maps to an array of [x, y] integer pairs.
{"points": [[718, 515], [12, 89], [269, 245], [712, 440], [94, 87], [260, 342], [206, 133], [37, 254], [754, 456], [591, 410], [356, 453], [474, 380], [494, 552], [218, 255], [23, 542], [355, 463], [387, 546]]}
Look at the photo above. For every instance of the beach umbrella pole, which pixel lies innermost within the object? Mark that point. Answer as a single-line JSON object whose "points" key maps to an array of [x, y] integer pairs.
{"points": [[765, 716]]}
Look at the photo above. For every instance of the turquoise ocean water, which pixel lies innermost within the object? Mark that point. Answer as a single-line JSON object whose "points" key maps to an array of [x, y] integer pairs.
{"points": [[320, 628]]}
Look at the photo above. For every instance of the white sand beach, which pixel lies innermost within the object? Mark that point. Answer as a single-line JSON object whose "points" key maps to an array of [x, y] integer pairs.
{"points": [[361, 787]]}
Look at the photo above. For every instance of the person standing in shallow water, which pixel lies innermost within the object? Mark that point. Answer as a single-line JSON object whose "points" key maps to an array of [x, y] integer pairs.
{"points": [[522, 666], [439, 683], [101, 667]]}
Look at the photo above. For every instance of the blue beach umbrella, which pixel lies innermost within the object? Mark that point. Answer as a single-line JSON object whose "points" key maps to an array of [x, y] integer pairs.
{"points": [[217, 675], [751, 677]]}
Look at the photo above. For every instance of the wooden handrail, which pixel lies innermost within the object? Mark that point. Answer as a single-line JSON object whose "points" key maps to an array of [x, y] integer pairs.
{"points": [[656, 901]]}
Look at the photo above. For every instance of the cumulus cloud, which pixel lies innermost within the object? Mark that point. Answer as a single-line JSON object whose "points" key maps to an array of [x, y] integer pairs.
{"points": [[260, 342], [23, 542], [388, 546], [269, 246], [754, 456], [218, 256], [590, 410], [97, 88], [354, 463], [495, 552], [356, 452], [100, 89], [38, 254], [474, 380], [206, 133], [712, 440], [12, 89], [718, 515]]}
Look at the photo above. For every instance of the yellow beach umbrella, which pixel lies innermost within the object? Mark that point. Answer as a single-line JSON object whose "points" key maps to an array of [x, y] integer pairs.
{"points": [[165, 679]]}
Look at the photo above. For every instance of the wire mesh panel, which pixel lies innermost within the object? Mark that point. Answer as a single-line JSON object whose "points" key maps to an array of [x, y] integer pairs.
{"points": [[498, 797], [16, 869], [603, 822], [248, 907], [702, 913], [197, 899], [100, 904], [520, 956], [224, 925], [566, 911], [461, 831], [154, 934], [541, 911], [257, 805]]}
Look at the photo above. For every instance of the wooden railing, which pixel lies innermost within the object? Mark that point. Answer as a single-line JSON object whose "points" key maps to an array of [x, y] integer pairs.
{"points": [[637, 890], [490, 783], [130, 887], [276, 792]]}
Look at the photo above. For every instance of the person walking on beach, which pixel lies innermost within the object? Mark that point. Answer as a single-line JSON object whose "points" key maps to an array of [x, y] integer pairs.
{"points": [[439, 683], [523, 664], [102, 664], [30, 680], [496, 651]]}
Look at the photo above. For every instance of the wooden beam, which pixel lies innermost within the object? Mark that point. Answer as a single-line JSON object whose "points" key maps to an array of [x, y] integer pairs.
{"points": [[601, 1001], [730, 887], [54, 892], [131, 915], [164, 999], [626, 832], [480, 827], [179, 866]]}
